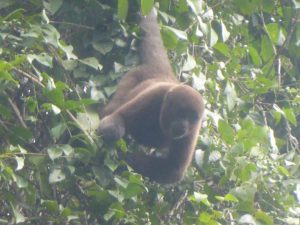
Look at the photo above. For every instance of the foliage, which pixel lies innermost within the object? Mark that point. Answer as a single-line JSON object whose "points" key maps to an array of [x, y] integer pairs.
{"points": [[60, 62]]}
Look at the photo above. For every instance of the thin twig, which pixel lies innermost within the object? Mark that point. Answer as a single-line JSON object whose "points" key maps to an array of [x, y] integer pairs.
{"points": [[80, 126], [181, 201], [31, 77], [72, 24], [283, 46], [17, 111]]}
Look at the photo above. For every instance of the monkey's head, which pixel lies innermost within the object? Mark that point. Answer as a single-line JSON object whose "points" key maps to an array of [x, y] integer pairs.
{"points": [[181, 111]]}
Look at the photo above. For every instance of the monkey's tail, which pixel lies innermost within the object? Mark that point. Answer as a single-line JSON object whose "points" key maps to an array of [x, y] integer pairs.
{"points": [[152, 49]]}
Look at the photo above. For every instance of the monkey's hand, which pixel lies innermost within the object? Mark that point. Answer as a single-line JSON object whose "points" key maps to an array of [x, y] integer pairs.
{"points": [[112, 128]]}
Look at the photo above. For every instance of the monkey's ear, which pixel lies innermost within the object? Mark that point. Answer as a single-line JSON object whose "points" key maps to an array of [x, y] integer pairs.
{"points": [[112, 128]]}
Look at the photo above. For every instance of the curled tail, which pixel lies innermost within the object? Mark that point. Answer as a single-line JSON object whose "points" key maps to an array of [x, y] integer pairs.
{"points": [[152, 49]]}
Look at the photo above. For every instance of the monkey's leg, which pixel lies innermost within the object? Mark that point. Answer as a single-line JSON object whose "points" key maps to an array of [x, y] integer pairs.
{"points": [[168, 169]]}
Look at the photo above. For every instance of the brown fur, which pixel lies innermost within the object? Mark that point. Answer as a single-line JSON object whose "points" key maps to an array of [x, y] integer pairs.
{"points": [[157, 110]]}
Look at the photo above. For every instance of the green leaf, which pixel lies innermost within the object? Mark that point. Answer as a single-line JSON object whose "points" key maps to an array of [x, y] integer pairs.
{"points": [[222, 48], [178, 33], [103, 47], [224, 32], [212, 36], [122, 9], [68, 150], [6, 76], [73, 105], [277, 117], [290, 116], [21, 132], [122, 145], [21, 182], [18, 216], [67, 213], [196, 6], [92, 62], [247, 219], [146, 6], [190, 63], [288, 113], [55, 96], [68, 50], [112, 165], [51, 107], [283, 171], [199, 197], [255, 57], [5, 66], [53, 6], [247, 7], [230, 198], [55, 109], [206, 218], [276, 33], [264, 217], [231, 96], [214, 156], [20, 162], [169, 38], [133, 190], [97, 95], [50, 206], [267, 50], [69, 65], [245, 171], [89, 120], [42, 58], [245, 192], [268, 5], [116, 210], [56, 175], [136, 178], [227, 133], [296, 4], [37, 160], [58, 130], [54, 152]]}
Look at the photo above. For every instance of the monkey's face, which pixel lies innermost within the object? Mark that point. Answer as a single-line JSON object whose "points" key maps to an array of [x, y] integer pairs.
{"points": [[181, 123], [181, 112]]}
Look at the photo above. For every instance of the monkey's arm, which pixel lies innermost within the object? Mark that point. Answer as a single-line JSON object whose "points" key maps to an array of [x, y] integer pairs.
{"points": [[113, 126], [130, 80], [169, 169], [133, 83]]}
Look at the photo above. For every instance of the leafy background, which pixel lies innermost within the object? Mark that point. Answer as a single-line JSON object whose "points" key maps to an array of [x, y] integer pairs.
{"points": [[60, 62]]}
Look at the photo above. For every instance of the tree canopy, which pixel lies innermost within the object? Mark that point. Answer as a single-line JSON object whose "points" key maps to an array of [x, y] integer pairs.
{"points": [[60, 62]]}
